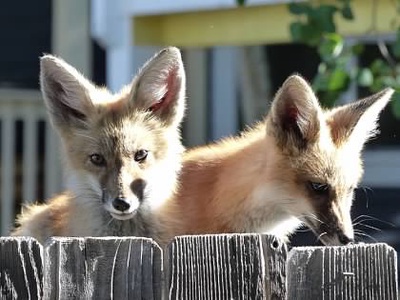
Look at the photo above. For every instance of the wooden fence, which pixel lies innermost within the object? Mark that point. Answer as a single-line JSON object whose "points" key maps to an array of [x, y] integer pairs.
{"points": [[235, 266]]}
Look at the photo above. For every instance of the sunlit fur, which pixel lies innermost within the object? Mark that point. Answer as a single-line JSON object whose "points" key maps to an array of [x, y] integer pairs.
{"points": [[145, 115], [260, 181]]}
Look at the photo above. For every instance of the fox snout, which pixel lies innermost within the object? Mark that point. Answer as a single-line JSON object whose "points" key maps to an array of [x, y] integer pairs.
{"points": [[125, 205], [121, 204], [334, 236], [332, 230]]}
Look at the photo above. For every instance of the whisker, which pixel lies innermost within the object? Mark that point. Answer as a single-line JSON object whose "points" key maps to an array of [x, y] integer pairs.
{"points": [[357, 233], [110, 221], [369, 226], [371, 218], [311, 216], [365, 189], [321, 235]]}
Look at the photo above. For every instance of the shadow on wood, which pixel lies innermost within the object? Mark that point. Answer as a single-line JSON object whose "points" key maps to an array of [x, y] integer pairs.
{"points": [[21, 269]]}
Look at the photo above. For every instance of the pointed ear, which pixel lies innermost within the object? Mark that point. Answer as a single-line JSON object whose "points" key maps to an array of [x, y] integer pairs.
{"points": [[160, 87], [65, 91], [295, 114], [357, 122]]}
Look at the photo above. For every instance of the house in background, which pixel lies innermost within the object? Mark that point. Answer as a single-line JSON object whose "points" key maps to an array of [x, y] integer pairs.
{"points": [[236, 58], [29, 149]]}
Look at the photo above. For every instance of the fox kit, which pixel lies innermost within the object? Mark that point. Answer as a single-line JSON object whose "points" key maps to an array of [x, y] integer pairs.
{"points": [[300, 165], [122, 151]]}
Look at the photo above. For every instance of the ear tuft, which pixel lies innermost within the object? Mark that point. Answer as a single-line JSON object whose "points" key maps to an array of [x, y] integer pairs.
{"points": [[295, 114], [160, 87], [356, 123], [65, 91]]}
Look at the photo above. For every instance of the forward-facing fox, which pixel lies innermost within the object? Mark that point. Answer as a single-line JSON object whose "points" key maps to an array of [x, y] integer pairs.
{"points": [[300, 165], [122, 151]]}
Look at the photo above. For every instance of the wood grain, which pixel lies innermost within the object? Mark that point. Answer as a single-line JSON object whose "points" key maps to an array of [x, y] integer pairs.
{"points": [[362, 271], [21, 269], [232, 266], [102, 268]]}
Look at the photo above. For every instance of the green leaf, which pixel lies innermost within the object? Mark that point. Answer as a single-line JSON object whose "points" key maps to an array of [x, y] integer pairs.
{"points": [[396, 104], [377, 85], [320, 82], [338, 80], [304, 33], [396, 45], [241, 2], [347, 12], [296, 31], [377, 64], [299, 8], [357, 49], [311, 35], [365, 77], [389, 81], [331, 46], [322, 17]]}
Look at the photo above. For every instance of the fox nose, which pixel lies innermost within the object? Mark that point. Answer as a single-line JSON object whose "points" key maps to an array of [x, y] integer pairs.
{"points": [[121, 204], [344, 239]]}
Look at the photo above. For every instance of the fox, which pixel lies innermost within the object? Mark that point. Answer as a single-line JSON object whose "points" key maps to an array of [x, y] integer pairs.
{"points": [[122, 151], [299, 166]]}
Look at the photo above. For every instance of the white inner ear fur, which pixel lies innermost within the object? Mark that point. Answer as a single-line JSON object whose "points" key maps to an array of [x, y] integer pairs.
{"points": [[366, 126], [155, 76]]}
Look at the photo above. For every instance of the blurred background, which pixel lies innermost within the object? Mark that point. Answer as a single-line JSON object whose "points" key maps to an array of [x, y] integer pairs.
{"points": [[236, 54]]}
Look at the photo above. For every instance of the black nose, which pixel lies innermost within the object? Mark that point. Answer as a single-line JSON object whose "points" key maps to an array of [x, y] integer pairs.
{"points": [[344, 239], [121, 204]]}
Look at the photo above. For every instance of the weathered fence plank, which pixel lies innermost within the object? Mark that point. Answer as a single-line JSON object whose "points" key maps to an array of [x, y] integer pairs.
{"points": [[358, 272], [233, 266], [21, 269], [102, 268]]}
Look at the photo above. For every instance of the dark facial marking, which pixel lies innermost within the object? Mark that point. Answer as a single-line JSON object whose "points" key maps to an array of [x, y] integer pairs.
{"points": [[137, 187]]}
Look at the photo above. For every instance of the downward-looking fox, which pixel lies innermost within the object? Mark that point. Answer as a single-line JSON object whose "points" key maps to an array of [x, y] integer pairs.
{"points": [[299, 166], [122, 151], [123, 154]]}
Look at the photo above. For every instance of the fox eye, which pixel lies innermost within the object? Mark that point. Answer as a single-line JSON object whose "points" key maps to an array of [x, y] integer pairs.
{"points": [[97, 160], [141, 155], [319, 187]]}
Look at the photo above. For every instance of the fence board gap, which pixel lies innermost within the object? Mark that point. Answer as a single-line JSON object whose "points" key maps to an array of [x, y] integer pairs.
{"points": [[21, 268], [358, 272], [250, 266]]}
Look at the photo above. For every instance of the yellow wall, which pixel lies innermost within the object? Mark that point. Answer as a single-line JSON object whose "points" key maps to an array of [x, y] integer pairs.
{"points": [[248, 25]]}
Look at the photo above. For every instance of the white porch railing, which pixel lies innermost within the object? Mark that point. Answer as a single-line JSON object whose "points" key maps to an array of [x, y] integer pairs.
{"points": [[20, 166]]}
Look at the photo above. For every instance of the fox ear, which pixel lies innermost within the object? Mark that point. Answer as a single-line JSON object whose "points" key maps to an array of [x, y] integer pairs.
{"points": [[295, 114], [160, 87], [65, 91], [357, 122]]}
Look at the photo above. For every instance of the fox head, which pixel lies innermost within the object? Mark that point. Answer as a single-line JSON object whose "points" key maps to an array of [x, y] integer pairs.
{"points": [[318, 156], [122, 151]]}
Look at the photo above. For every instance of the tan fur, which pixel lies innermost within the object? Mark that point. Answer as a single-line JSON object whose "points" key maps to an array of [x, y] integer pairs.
{"points": [[260, 181], [110, 189]]}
